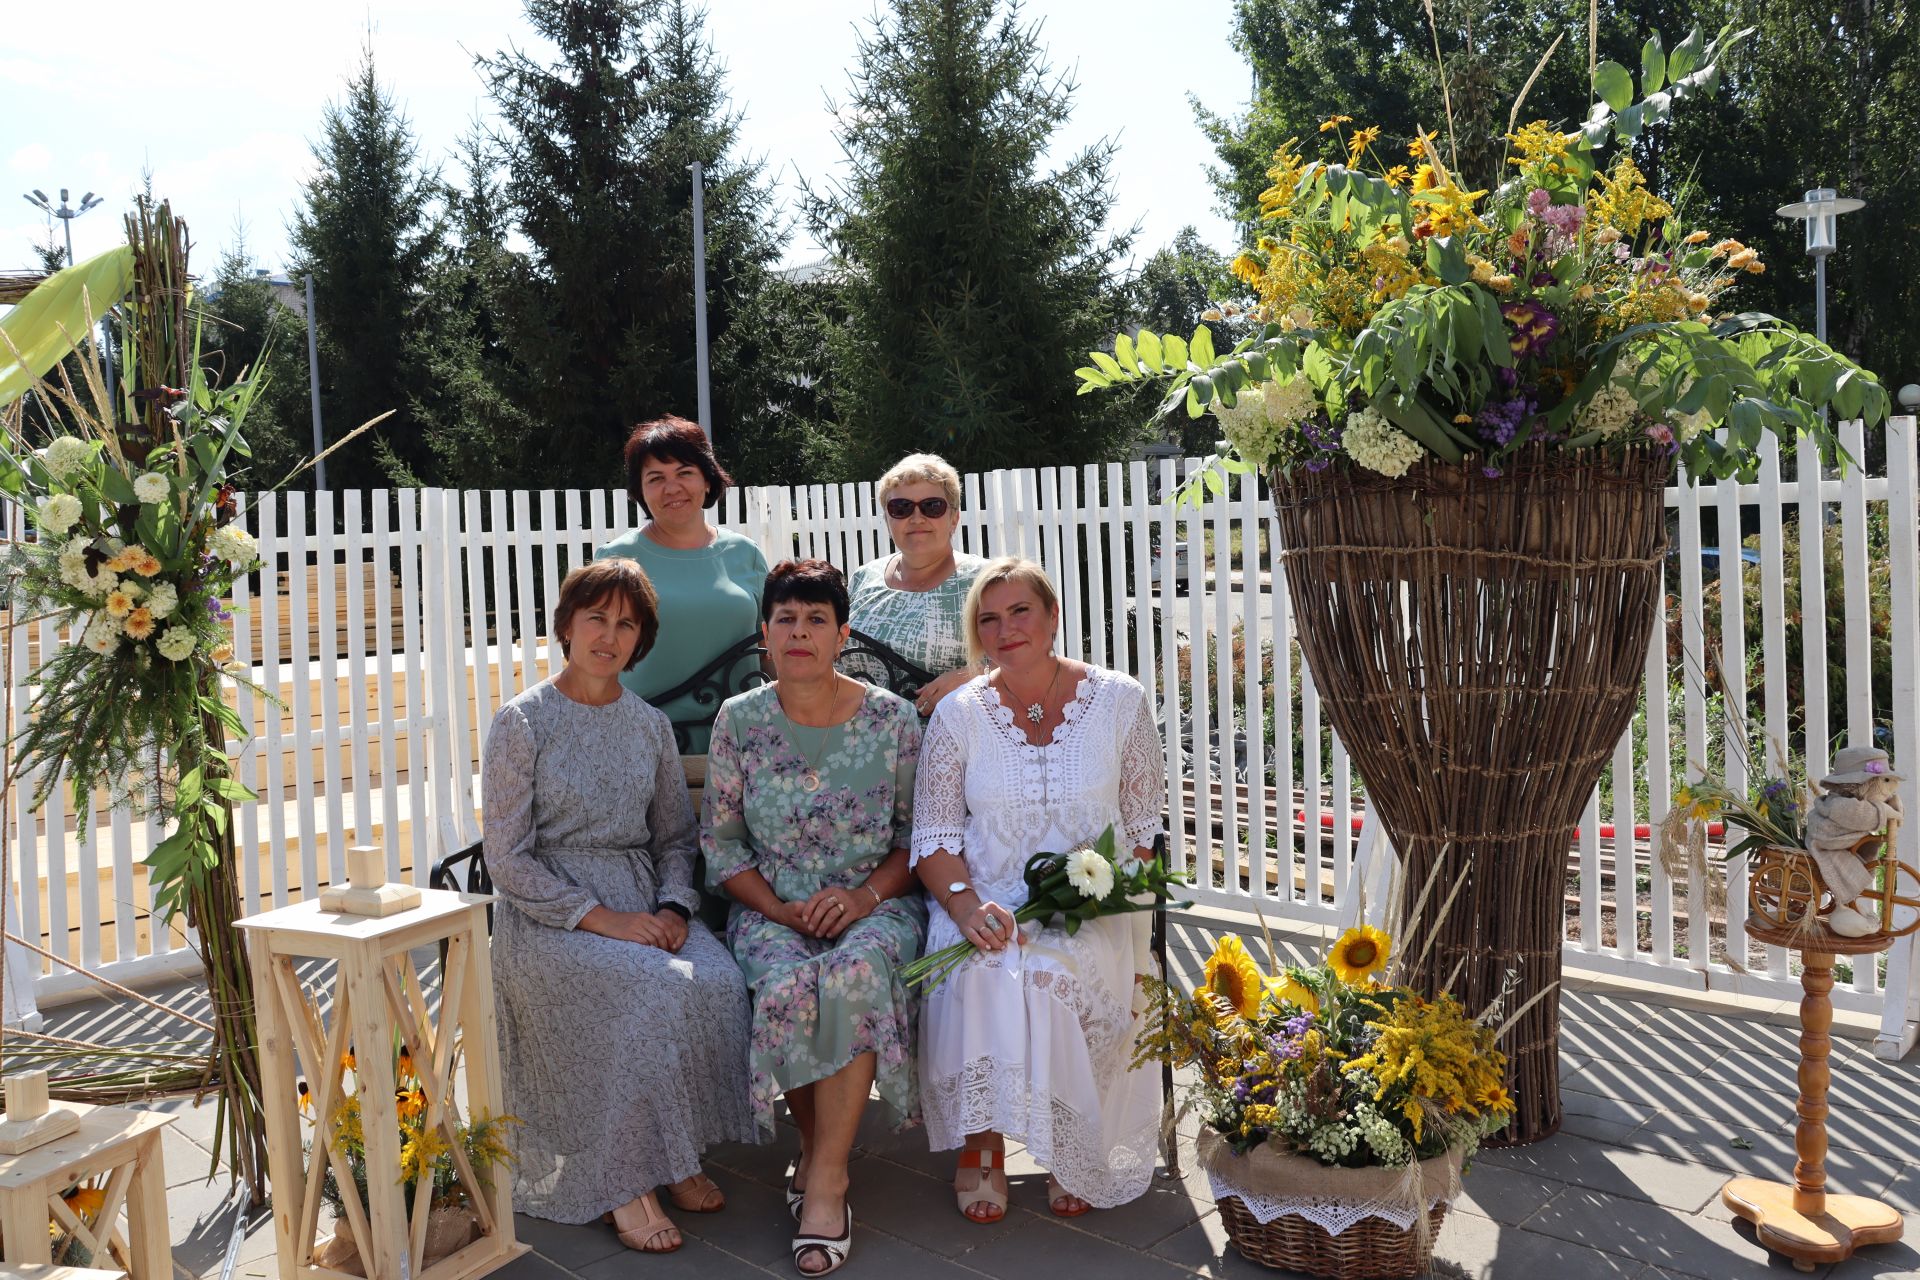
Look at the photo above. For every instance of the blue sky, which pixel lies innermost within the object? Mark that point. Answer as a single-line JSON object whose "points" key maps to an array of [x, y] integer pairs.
{"points": [[219, 98]]}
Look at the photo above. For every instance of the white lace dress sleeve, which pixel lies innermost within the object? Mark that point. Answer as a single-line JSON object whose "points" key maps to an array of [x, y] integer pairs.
{"points": [[940, 792]]}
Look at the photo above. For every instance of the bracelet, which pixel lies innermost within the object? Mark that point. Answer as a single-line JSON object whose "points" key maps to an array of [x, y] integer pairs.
{"points": [[877, 900]]}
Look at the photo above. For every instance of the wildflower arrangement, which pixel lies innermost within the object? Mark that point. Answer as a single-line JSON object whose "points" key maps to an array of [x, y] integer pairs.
{"points": [[1082, 884], [1773, 813], [1407, 313], [426, 1154], [1328, 1061]]}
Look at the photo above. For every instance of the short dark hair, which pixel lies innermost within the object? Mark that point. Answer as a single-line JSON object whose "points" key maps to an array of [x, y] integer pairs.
{"points": [[595, 583], [808, 581], [672, 439]]}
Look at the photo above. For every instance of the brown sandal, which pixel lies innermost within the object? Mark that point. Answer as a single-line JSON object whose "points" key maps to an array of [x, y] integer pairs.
{"points": [[657, 1224], [987, 1161], [697, 1194]]}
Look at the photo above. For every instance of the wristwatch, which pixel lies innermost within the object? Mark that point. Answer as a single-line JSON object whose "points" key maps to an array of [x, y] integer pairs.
{"points": [[958, 886]]}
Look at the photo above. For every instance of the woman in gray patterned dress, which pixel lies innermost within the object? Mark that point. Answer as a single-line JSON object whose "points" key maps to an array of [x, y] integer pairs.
{"points": [[623, 1021], [911, 600]]}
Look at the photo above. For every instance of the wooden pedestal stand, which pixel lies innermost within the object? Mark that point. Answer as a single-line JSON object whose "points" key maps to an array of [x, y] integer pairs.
{"points": [[1801, 1220], [378, 997], [120, 1143]]}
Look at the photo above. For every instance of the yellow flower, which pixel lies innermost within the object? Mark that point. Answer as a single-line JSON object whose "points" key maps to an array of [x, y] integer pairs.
{"points": [[1496, 1099], [1756, 268], [1361, 952], [1398, 176], [221, 652], [346, 1060], [306, 1097], [1287, 989], [1417, 149], [119, 603], [1334, 122], [410, 1103], [1697, 302], [1727, 247], [1232, 975], [85, 1201], [139, 623], [1425, 179], [1584, 292], [1362, 139], [148, 565], [1501, 284], [1739, 259], [1696, 237]]}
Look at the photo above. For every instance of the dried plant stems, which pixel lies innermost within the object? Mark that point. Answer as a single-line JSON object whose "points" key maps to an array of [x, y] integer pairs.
{"points": [[1478, 643]]}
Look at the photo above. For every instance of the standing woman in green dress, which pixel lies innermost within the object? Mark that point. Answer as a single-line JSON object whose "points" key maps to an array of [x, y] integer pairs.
{"points": [[809, 813], [708, 578]]}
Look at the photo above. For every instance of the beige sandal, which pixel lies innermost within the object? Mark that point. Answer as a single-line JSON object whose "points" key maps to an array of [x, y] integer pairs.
{"points": [[986, 1162], [657, 1224], [697, 1194], [1058, 1195]]}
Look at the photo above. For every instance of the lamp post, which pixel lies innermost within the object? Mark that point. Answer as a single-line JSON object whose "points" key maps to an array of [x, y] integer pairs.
{"points": [[67, 213], [1821, 210]]}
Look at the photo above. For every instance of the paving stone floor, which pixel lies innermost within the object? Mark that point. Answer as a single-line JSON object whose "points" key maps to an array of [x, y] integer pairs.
{"points": [[1657, 1092]]}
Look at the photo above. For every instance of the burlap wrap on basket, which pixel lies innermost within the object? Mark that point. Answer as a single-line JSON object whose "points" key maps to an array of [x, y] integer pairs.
{"points": [[1280, 1177], [1478, 642]]}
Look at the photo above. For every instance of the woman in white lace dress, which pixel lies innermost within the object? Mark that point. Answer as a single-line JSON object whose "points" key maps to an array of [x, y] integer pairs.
{"points": [[1031, 1039]]}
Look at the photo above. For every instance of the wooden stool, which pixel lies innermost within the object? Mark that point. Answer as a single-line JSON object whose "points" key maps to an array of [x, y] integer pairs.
{"points": [[115, 1141], [377, 998], [1801, 1220]]}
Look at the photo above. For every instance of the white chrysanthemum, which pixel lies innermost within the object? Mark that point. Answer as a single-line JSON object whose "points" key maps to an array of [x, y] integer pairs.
{"points": [[75, 573], [234, 545], [58, 513], [163, 600], [67, 455], [151, 487], [1378, 445], [1609, 414], [1090, 874], [175, 643], [102, 635]]}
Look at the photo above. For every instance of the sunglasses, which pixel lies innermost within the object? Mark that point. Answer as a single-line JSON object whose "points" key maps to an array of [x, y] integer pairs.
{"points": [[931, 508]]}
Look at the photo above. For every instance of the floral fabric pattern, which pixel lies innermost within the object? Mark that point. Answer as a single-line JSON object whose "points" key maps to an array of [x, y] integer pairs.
{"points": [[922, 626], [818, 1002]]}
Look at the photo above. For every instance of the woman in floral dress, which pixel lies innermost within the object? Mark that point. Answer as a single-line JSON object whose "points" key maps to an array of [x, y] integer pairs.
{"points": [[808, 815]]}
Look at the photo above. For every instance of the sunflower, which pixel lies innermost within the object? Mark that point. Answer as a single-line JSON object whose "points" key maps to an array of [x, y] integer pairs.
{"points": [[1361, 952], [1496, 1100], [1232, 975], [1287, 989], [85, 1201]]}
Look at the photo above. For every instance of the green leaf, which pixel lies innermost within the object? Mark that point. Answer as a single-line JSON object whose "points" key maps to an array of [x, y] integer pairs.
{"points": [[1174, 347], [1614, 84], [51, 320], [1146, 345], [1123, 352], [232, 790], [1200, 347], [1686, 56], [1091, 379], [1653, 65], [1626, 124], [1111, 367], [187, 794]]}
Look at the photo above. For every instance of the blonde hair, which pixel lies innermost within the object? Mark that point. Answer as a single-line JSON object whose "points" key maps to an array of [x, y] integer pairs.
{"points": [[1014, 569], [921, 468]]}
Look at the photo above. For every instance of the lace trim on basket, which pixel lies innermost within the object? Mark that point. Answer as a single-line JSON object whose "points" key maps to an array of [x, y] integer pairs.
{"points": [[1330, 1213]]}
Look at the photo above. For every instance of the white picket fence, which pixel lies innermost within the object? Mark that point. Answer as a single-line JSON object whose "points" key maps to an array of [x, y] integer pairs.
{"points": [[391, 626]]}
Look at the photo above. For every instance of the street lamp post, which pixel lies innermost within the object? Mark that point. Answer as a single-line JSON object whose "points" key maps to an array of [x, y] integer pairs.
{"points": [[1821, 210], [67, 213]]}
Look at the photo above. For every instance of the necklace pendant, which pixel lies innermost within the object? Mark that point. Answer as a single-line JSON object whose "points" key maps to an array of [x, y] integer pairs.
{"points": [[810, 782], [1035, 712]]}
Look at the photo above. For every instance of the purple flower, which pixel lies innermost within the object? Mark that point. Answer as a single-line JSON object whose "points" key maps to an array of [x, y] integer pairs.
{"points": [[1533, 328], [1541, 279], [1564, 218], [1491, 472], [1538, 202], [1500, 420]]}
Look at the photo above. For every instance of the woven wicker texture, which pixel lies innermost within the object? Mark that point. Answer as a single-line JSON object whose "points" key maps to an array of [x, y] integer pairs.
{"points": [[1478, 644], [1373, 1248]]}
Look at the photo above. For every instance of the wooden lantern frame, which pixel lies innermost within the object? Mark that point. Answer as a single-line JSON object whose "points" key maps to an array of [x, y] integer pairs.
{"points": [[377, 995]]}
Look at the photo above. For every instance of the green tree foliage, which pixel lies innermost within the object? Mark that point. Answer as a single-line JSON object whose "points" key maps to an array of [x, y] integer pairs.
{"points": [[973, 278], [599, 315], [247, 327], [368, 230], [1819, 95], [1174, 290]]}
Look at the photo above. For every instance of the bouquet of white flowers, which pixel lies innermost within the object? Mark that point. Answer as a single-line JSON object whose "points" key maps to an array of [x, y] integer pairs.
{"points": [[1084, 883]]}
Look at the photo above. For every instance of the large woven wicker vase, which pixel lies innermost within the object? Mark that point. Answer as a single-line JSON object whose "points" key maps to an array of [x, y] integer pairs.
{"points": [[1477, 642]]}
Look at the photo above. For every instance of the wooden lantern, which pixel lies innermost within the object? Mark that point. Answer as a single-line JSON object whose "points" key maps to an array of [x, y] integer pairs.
{"points": [[377, 997], [116, 1144]]}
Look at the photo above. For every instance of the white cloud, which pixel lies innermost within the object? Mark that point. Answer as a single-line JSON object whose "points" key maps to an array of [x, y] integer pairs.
{"points": [[30, 161]]}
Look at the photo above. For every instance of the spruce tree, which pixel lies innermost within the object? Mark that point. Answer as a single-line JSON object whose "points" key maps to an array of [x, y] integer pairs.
{"points": [[596, 144], [975, 280], [368, 230], [250, 332]]}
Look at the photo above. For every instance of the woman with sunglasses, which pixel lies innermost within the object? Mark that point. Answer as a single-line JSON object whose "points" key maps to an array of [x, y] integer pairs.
{"points": [[911, 600]]}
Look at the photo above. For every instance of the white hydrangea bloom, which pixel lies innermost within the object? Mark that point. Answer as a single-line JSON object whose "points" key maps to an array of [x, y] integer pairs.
{"points": [[1263, 415], [67, 455], [58, 513], [1376, 444], [175, 643], [1609, 414], [102, 635], [163, 600], [151, 487], [234, 545]]}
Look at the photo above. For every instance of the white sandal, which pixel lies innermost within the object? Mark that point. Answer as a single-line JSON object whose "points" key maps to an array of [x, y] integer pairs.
{"points": [[835, 1249]]}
